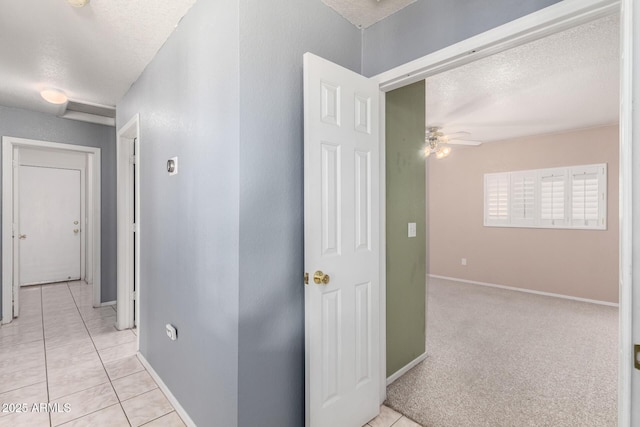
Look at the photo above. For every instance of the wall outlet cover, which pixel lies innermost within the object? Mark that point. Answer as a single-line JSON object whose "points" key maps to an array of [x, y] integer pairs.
{"points": [[172, 332]]}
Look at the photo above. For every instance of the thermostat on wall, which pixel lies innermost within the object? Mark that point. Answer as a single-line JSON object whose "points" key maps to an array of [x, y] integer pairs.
{"points": [[172, 166]]}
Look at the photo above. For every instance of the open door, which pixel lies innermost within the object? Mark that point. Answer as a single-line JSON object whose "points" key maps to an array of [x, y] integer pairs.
{"points": [[342, 245]]}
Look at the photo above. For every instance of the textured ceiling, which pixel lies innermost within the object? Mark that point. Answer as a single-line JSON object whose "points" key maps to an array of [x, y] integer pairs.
{"points": [[364, 13], [93, 53], [569, 80]]}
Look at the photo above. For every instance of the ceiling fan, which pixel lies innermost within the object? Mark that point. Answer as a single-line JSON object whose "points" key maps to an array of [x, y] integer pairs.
{"points": [[437, 142]]}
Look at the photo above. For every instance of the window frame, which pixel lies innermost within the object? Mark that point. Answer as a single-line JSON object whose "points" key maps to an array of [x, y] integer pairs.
{"points": [[568, 175]]}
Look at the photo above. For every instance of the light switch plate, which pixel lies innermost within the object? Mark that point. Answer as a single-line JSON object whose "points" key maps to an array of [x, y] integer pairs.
{"points": [[412, 229]]}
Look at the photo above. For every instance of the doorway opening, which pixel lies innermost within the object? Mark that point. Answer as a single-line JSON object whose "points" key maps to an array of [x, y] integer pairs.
{"points": [[128, 173], [538, 25], [32, 172]]}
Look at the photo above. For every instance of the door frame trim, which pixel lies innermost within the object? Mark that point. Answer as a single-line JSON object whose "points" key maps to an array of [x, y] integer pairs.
{"points": [[93, 213], [127, 272], [537, 25]]}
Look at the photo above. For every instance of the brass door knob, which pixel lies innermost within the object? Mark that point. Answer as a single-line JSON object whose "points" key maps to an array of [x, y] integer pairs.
{"points": [[22, 236], [76, 231], [319, 278]]}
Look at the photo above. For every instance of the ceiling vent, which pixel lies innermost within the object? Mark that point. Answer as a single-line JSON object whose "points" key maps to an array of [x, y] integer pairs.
{"points": [[92, 113]]}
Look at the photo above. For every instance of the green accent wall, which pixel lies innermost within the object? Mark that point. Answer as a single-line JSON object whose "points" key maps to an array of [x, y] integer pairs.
{"points": [[405, 203]]}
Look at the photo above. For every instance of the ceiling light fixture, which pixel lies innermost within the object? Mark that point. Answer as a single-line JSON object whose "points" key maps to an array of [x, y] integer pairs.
{"points": [[436, 142], [78, 3], [54, 96], [440, 152], [433, 140]]}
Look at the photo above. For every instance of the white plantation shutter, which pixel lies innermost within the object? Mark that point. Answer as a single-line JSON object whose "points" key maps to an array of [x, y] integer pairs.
{"points": [[523, 198], [552, 197], [496, 204], [588, 196], [569, 197]]}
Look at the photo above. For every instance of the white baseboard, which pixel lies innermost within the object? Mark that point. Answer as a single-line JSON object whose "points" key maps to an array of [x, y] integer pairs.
{"points": [[528, 291], [108, 303], [402, 371], [179, 409]]}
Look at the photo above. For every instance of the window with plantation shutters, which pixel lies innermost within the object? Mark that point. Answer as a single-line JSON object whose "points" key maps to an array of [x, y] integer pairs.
{"points": [[553, 183], [587, 196], [523, 198], [496, 190], [569, 197]]}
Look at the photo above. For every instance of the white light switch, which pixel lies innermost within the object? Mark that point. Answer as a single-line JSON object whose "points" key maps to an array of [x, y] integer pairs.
{"points": [[412, 229], [463, 261]]}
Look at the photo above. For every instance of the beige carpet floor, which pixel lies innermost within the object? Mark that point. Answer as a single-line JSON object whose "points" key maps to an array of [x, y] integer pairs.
{"points": [[503, 358]]}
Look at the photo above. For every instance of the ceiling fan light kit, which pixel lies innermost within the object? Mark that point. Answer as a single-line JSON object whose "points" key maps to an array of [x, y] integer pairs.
{"points": [[438, 143]]}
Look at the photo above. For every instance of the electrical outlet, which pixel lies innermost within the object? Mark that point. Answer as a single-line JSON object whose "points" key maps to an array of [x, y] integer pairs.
{"points": [[463, 261], [172, 332], [412, 229]]}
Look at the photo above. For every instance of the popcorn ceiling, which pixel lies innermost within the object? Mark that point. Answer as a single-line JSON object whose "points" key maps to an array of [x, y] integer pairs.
{"points": [[568, 80]]}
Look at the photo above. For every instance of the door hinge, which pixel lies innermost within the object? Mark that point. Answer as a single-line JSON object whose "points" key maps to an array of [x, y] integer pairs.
{"points": [[306, 278], [636, 354], [134, 295], [132, 159], [134, 227]]}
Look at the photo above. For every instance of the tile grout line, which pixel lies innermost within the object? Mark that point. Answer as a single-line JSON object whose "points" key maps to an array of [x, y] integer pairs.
{"points": [[99, 357], [163, 415], [96, 350], [46, 367], [44, 347]]}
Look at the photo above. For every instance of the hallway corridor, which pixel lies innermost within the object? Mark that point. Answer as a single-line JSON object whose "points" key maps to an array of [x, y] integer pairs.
{"points": [[63, 351]]}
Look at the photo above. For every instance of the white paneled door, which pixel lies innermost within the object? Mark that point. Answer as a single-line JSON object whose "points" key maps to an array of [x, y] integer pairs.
{"points": [[49, 224], [341, 199]]}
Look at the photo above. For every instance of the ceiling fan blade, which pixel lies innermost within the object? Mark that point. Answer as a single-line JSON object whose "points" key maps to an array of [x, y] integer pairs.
{"points": [[463, 142], [456, 134]]}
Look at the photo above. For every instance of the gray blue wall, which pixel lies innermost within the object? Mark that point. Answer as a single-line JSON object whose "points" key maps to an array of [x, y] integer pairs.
{"points": [[273, 37], [46, 127], [430, 25], [222, 242], [188, 103]]}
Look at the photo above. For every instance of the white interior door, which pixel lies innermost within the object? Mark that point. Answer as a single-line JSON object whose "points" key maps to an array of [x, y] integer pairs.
{"points": [[341, 193], [49, 224]]}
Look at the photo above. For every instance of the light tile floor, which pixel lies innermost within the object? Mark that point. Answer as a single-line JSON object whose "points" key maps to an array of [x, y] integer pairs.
{"points": [[63, 351], [388, 418]]}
